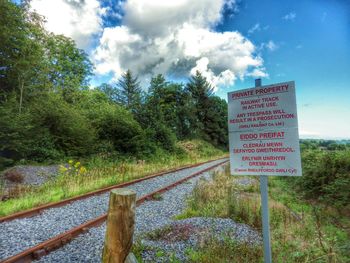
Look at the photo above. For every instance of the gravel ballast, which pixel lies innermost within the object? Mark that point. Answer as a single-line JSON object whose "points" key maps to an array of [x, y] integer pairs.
{"points": [[31, 174], [150, 216], [245, 182], [20, 234], [194, 232]]}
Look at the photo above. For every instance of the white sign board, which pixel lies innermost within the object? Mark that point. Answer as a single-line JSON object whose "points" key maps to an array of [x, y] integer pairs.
{"points": [[263, 131]]}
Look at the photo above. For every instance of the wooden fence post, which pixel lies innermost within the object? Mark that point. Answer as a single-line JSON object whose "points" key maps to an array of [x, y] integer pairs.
{"points": [[120, 226]]}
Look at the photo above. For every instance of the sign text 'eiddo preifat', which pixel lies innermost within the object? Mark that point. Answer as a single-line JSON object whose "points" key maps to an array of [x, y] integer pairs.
{"points": [[263, 131]]}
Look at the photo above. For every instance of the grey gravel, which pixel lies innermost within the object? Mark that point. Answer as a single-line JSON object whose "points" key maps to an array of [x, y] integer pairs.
{"points": [[149, 216], [245, 181], [192, 233], [32, 174], [20, 234]]}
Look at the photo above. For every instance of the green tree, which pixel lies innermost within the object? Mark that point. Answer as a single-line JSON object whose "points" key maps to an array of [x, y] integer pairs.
{"points": [[200, 90], [151, 111], [110, 91], [34, 61], [153, 117], [157, 84], [167, 112], [209, 110], [130, 93], [69, 68], [21, 49], [172, 105], [34, 66], [216, 122]]}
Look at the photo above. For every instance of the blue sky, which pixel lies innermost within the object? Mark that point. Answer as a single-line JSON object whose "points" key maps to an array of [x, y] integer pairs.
{"points": [[230, 42], [313, 48]]}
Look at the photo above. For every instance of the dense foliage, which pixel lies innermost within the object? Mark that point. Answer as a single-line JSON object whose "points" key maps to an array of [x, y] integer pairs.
{"points": [[326, 172], [48, 112]]}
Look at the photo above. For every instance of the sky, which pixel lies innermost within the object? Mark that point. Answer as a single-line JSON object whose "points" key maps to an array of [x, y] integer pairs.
{"points": [[231, 42]]}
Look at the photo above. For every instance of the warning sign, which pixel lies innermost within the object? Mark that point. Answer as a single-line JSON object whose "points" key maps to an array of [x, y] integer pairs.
{"points": [[263, 127]]}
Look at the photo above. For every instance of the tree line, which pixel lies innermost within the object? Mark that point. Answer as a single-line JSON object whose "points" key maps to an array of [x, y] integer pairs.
{"points": [[49, 112]]}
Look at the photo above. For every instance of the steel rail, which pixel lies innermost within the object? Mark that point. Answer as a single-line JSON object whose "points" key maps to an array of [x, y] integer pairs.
{"points": [[39, 209], [60, 240]]}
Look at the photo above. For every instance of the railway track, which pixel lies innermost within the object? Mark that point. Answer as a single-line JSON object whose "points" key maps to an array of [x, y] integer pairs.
{"points": [[39, 209], [154, 184]]}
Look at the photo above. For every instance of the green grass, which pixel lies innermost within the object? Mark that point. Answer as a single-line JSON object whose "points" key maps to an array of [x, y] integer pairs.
{"points": [[225, 251], [328, 227], [105, 172], [300, 231], [161, 255], [157, 197]]}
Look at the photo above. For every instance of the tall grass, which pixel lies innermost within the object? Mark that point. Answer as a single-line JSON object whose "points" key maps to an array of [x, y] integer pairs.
{"points": [[102, 172], [326, 177], [307, 235]]}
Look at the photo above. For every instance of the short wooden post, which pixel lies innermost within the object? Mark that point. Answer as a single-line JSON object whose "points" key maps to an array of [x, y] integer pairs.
{"points": [[120, 226]]}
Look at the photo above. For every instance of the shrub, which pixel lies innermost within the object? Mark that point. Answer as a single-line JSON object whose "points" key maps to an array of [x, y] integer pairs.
{"points": [[16, 134], [116, 126], [163, 136], [63, 128], [326, 176]]}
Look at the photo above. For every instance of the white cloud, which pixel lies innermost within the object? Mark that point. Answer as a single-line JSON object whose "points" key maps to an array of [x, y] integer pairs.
{"points": [[156, 36], [271, 45], [159, 17], [79, 20], [290, 16], [258, 73], [176, 37], [257, 27], [225, 78], [254, 28]]}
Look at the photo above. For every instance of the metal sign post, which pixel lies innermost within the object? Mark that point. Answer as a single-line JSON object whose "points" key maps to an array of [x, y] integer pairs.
{"points": [[265, 217], [264, 139], [265, 208]]}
